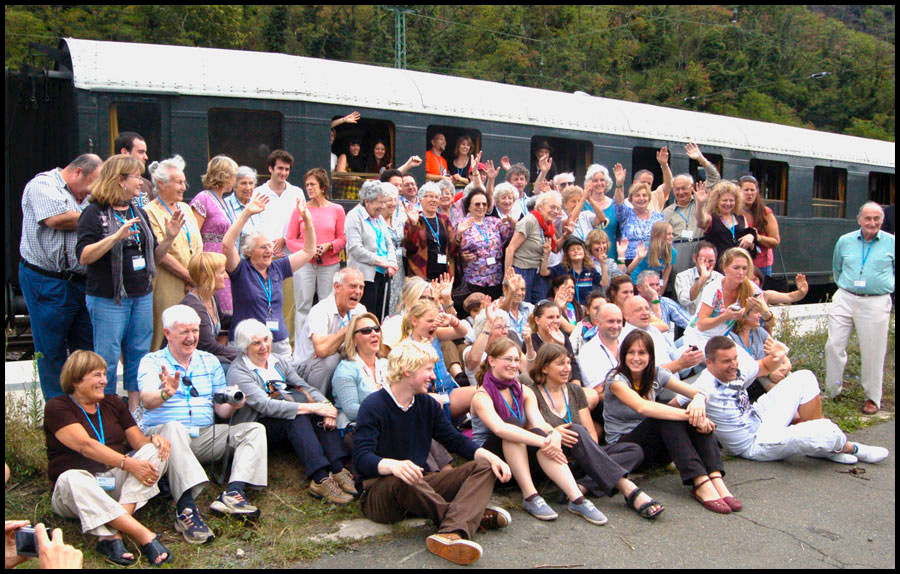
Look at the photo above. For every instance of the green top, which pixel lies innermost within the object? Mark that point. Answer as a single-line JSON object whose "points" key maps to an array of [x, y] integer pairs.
{"points": [[857, 261]]}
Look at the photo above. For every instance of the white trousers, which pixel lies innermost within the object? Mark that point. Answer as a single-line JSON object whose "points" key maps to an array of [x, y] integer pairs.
{"points": [[309, 280], [871, 316]]}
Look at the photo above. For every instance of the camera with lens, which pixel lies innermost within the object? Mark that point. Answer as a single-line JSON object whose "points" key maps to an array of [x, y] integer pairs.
{"points": [[231, 395]]}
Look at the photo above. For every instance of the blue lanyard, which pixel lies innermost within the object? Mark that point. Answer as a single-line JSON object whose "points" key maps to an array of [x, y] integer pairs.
{"points": [[378, 236], [518, 412], [342, 319], [733, 225], [485, 236], [568, 417], [437, 224], [183, 226], [519, 323], [134, 226], [741, 341], [228, 213], [100, 435], [268, 291], [865, 253], [690, 211], [524, 209]]}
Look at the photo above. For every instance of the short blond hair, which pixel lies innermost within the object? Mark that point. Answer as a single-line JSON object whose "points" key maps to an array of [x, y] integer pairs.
{"points": [[639, 186], [219, 171], [203, 267], [407, 357], [106, 190], [77, 367]]}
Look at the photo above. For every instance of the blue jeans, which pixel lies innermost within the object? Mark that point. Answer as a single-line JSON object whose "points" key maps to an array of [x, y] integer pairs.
{"points": [[535, 285], [60, 323], [125, 329]]}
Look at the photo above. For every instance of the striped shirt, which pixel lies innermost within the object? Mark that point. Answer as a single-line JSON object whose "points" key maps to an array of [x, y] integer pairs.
{"points": [[45, 196], [206, 376]]}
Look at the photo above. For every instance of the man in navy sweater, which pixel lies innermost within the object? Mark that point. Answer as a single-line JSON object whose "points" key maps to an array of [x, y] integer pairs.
{"points": [[394, 430]]}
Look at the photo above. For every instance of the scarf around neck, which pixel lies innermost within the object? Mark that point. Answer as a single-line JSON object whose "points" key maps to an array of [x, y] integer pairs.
{"points": [[547, 227], [492, 385]]}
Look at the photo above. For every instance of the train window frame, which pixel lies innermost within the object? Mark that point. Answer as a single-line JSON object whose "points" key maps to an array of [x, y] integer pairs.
{"points": [[149, 128], [828, 183], [773, 179], [643, 157], [368, 130], [715, 159], [245, 122], [881, 187], [583, 152], [452, 133]]}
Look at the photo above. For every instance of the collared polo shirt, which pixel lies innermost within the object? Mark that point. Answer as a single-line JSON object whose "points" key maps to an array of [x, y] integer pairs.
{"points": [[682, 219], [878, 272], [206, 376], [323, 319]]}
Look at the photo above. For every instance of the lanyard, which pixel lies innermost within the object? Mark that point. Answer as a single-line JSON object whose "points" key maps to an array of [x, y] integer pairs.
{"points": [[266, 383], [484, 235], [865, 253], [134, 226], [437, 225], [229, 213], [342, 319], [690, 211], [524, 208], [733, 225], [378, 236], [518, 412], [267, 291], [100, 435], [741, 341], [568, 417], [183, 226], [519, 323]]}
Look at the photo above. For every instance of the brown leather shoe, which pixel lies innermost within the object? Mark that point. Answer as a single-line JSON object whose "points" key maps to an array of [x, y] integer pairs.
{"points": [[870, 408]]}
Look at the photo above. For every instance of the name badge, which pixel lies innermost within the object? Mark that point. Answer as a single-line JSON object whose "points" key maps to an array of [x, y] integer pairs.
{"points": [[861, 283], [272, 325], [138, 263], [106, 481], [193, 432], [687, 234], [441, 259], [491, 260]]}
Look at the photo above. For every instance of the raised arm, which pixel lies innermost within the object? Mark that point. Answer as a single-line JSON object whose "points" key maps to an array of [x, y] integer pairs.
{"points": [[661, 194], [301, 258], [229, 249], [619, 195]]}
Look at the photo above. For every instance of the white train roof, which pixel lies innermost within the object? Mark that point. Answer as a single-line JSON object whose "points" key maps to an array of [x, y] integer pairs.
{"points": [[114, 66]]}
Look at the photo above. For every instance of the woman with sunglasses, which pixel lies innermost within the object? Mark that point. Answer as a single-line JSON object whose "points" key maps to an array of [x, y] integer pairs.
{"points": [[290, 409], [361, 373]]}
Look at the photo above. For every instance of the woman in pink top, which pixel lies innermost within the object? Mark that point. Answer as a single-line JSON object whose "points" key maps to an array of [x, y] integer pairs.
{"points": [[328, 221]]}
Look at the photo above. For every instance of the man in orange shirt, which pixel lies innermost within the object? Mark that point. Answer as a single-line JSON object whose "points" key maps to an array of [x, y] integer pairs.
{"points": [[435, 164]]}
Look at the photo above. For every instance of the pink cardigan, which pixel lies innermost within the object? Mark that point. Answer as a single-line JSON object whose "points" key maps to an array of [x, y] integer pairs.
{"points": [[329, 225]]}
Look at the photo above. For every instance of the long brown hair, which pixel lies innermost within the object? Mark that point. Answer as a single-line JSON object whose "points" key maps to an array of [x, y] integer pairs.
{"points": [[757, 209], [649, 374]]}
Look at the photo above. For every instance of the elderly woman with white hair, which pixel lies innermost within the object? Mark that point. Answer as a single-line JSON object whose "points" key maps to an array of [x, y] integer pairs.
{"points": [[257, 279], [598, 182], [245, 183], [369, 246], [504, 196], [291, 409], [534, 239], [173, 279], [429, 240]]}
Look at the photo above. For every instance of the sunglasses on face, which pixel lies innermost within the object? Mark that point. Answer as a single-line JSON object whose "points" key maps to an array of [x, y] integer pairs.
{"points": [[367, 330]]}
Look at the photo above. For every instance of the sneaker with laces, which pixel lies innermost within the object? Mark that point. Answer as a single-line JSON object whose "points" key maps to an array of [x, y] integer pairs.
{"points": [[588, 511], [190, 524], [539, 509], [452, 547], [329, 490], [345, 480], [233, 503], [872, 454], [495, 518]]}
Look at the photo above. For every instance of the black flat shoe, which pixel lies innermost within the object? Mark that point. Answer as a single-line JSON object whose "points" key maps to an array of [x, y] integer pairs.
{"points": [[114, 551]]}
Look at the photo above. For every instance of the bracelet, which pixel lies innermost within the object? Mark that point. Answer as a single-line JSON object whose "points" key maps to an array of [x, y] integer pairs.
{"points": [[122, 466], [620, 262], [163, 396], [769, 318]]}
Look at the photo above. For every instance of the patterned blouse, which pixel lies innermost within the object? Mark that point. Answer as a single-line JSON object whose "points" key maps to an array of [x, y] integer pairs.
{"points": [[635, 229], [487, 241], [219, 216], [418, 237]]}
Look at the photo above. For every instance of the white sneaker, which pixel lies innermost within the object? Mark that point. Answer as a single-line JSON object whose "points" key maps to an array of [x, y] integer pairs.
{"points": [[871, 454], [840, 457]]}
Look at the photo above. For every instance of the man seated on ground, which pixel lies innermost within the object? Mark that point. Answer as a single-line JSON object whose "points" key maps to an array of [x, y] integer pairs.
{"points": [[764, 431], [182, 384], [680, 361], [663, 308], [689, 283], [600, 355], [316, 354], [392, 439]]}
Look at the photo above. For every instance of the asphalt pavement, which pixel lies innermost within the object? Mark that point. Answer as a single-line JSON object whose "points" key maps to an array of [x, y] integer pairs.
{"points": [[798, 513]]}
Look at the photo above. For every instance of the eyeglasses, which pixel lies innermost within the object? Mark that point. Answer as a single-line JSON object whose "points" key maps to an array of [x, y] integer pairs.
{"points": [[510, 360], [565, 184], [367, 330]]}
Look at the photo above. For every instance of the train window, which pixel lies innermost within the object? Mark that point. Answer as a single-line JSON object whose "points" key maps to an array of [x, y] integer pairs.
{"points": [[453, 136], [355, 169], [569, 156], [716, 160], [644, 159], [773, 183], [246, 136], [141, 118], [829, 192], [881, 188]]}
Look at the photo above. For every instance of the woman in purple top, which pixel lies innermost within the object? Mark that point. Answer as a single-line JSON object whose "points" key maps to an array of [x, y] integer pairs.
{"points": [[214, 216], [481, 243]]}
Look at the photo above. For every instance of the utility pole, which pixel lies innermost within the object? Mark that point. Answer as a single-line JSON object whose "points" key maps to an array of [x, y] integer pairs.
{"points": [[399, 37]]}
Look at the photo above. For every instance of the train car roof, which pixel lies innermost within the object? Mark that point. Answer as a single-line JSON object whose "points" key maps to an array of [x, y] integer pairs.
{"points": [[115, 66]]}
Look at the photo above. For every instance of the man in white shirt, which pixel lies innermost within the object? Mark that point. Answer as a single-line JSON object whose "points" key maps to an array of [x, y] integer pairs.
{"points": [[316, 355], [678, 361], [689, 283], [764, 431], [600, 355]]}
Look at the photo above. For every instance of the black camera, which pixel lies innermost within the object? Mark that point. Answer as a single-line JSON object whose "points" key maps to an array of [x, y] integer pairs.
{"points": [[26, 542], [230, 396]]}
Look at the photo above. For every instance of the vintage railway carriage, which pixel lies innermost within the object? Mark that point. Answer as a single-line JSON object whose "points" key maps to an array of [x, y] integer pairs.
{"points": [[200, 102]]}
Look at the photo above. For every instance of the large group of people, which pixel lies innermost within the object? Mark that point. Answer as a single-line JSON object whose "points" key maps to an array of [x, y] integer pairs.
{"points": [[529, 334]]}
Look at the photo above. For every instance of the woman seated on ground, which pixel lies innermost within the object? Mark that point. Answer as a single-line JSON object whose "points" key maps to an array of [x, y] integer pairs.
{"points": [[208, 274], [665, 433], [586, 329], [89, 465], [564, 406], [506, 420], [562, 291], [752, 337], [545, 328], [290, 409], [491, 324], [361, 373]]}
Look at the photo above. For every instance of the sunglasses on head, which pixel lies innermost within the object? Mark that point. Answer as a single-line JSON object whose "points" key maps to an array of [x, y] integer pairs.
{"points": [[367, 330]]}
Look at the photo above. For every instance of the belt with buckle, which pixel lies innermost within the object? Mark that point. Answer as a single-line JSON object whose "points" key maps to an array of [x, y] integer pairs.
{"points": [[65, 275]]}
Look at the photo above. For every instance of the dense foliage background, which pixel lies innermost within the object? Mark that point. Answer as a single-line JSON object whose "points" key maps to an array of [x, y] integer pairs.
{"points": [[824, 67]]}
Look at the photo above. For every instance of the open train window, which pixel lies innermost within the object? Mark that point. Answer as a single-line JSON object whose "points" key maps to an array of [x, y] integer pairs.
{"points": [[829, 192], [881, 188], [773, 183], [246, 136], [142, 118], [695, 169], [644, 158], [569, 156], [453, 136], [354, 147]]}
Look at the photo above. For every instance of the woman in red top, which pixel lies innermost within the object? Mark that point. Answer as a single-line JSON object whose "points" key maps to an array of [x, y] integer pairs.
{"points": [[429, 240], [763, 219]]}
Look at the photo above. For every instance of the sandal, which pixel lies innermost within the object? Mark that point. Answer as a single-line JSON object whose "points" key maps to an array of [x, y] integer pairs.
{"points": [[114, 550], [733, 502], [644, 511], [154, 549], [718, 505]]}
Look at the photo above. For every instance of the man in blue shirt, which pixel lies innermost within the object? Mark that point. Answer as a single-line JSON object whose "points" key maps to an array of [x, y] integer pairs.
{"points": [[179, 383], [394, 430], [864, 273]]}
